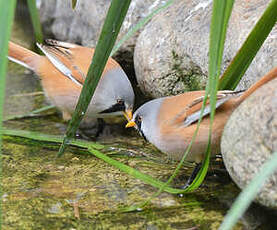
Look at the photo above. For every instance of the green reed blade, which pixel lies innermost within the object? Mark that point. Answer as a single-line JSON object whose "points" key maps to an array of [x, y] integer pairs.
{"points": [[37, 136], [34, 13], [73, 4], [110, 30], [249, 49], [139, 25], [7, 9], [30, 114]]}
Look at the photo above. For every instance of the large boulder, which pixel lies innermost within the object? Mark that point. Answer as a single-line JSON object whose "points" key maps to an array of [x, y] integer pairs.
{"points": [[250, 138], [171, 53], [83, 24]]}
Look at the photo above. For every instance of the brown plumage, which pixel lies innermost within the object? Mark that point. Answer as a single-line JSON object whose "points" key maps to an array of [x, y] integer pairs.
{"points": [[63, 71], [170, 122]]}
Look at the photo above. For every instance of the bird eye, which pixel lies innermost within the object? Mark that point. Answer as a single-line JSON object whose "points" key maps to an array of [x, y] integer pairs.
{"points": [[138, 120], [120, 101]]}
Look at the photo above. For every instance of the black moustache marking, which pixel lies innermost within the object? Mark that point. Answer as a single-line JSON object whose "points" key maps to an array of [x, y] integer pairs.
{"points": [[115, 108], [142, 134], [138, 122]]}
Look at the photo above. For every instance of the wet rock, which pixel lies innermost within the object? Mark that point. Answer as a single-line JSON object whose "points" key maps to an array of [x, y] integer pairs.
{"points": [[83, 25], [250, 138], [171, 53]]}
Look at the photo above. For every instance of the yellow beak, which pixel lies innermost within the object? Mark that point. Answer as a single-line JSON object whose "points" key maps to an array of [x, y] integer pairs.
{"points": [[128, 114], [130, 124]]}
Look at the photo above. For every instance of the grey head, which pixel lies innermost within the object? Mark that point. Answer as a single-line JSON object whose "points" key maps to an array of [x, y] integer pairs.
{"points": [[145, 120], [114, 94]]}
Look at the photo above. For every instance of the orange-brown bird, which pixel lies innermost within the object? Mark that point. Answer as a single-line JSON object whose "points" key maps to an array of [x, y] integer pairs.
{"points": [[63, 71], [170, 122]]}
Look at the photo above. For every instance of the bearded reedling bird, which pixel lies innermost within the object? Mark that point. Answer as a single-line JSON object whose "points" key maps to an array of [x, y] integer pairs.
{"points": [[169, 122], [63, 71]]}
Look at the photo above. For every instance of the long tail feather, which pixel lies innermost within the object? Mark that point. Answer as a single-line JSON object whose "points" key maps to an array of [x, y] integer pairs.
{"points": [[23, 56], [266, 78]]}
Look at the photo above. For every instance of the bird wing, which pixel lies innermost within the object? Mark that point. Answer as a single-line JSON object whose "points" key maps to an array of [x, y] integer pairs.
{"points": [[192, 111], [70, 59]]}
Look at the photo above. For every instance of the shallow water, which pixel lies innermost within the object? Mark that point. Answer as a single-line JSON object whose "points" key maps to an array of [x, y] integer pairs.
{"points": [[79, 191]]}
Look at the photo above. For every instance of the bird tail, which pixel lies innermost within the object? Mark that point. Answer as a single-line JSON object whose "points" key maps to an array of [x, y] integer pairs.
{"points": [[266, 78], [23, 56]]}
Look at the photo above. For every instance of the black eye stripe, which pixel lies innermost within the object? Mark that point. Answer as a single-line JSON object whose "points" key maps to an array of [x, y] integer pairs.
{"points": [[120, 101], [138, 121], [115, 108], [142, 134]]}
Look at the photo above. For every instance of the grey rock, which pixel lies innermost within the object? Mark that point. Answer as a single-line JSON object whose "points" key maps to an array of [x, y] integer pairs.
{"points": [[171, 53], [250, 138], [83, 25]]}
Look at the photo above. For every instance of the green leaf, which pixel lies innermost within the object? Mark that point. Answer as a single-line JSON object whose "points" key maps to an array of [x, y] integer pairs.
{"points": [[37, 136], [135, 173], [35, 20], [73, 3], [220, 17], [233, 74], [30, 114], [93, 148], [6, 18], [219, 22], [140, 24], [110, 30], [249, 193]]}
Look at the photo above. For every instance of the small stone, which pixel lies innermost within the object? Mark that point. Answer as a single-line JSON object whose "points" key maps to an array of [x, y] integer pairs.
{"points": [[55, 208], [75, 159]]}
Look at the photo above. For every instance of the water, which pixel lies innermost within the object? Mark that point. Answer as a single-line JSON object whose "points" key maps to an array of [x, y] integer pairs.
{"points": [[79, 191], [51, 193]]}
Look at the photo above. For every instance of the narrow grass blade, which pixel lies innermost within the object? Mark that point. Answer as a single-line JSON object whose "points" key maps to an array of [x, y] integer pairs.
{"points": [[249, 49], [135, 173], [36, 136], [93, 149], [139, 25], [35, 20], [73, 3], [220, 17], [249, 193], [112, 24], [30, 114], [219, 22], [203, 171], [6, 18]]}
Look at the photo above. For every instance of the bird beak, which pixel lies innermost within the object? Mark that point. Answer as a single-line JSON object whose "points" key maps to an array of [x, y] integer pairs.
{"points": [[128, 114], [130, 124]]}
